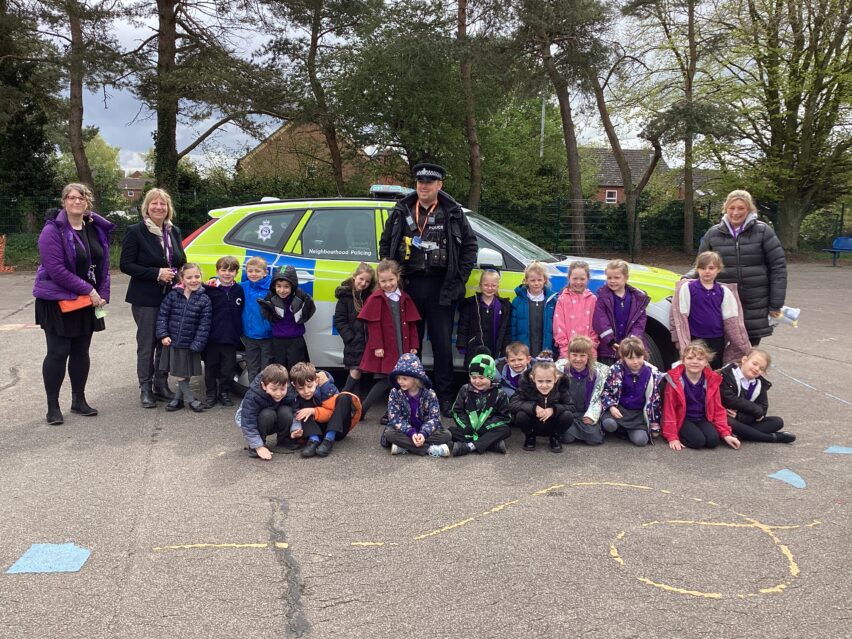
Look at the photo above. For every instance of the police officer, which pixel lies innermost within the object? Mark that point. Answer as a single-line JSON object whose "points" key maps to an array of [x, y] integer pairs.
{"points": [[428, 233]]}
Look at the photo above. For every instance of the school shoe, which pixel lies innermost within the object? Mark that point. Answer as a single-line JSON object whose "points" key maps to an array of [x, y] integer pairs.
{"points": [[310, 448], [398, 450], [161, 387], [196, 406], [54, 413], [287, 445], [439, 450], [175, 404], [529, 442], [80, 406], [460, 449], [783, 437], [225, 399], [210, 401], [146, 396], [324, 448], [499, 447], [446, 408], [555, 444], [383, 420]]}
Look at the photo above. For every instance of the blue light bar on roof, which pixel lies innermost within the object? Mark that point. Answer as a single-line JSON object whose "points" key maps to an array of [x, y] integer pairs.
{"points": [[395, 191]]}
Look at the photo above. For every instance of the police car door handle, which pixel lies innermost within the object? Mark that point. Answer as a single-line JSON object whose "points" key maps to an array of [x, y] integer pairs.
{"points": [[305, 276]]}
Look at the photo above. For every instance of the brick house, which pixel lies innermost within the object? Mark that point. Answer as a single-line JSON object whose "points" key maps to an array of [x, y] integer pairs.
{"points": [[610, 185], [133, 186]]}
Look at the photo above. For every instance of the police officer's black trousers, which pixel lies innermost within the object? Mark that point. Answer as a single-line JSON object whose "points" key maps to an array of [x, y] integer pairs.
{"points": [[437, 320]]}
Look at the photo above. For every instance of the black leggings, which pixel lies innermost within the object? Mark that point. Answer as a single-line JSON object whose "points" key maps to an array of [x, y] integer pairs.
{"points": [[698, 434], [751, 431], [72, 352]]}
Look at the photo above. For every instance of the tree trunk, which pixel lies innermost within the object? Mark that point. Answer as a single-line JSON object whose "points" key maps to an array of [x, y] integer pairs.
{"points": [[790, 218], [323, 115], [575, 186], [688, 198], [165, 138], [475, 189], [75, 111]]}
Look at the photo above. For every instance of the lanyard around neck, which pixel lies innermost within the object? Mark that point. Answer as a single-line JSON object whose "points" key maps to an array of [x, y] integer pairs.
{"points": [[417, 215]]}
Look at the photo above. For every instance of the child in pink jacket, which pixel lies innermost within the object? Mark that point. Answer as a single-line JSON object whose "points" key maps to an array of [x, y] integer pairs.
{"points": [[575, 308]]}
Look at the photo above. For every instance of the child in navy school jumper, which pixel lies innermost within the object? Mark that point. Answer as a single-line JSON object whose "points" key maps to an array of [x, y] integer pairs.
{"points": [[532, 310], [481, 411], [586, 379], [693, 415], [743, 393], [631, 395], [707, 310], [324, 415], [484, 320], [267, 409], [183, 325], [511, 368], [257, 331], [287, 307], [226, 329], [619, 311], [414, 414]]}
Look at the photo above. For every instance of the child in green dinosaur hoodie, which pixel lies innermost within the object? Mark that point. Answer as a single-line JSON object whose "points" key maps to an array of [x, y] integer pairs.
{"points": [[481, 411]]}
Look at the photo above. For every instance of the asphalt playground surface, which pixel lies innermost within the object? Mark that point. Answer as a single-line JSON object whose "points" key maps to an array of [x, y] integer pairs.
{"points": [[188, 537]]}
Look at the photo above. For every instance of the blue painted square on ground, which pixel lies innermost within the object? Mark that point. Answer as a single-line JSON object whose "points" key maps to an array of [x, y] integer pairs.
{"points": [[51, 558], [839, 450]]}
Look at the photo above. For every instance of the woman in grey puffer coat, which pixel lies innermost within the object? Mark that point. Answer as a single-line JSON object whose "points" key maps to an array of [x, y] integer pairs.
{"points": [[754, 260]]}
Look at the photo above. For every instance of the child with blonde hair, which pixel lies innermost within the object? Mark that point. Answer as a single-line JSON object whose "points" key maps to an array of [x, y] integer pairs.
{"points": [[575, 308], [619, 311], [707, 310], [532, 310], [257, 331], [484, 320], [743, 393], [631, 394], [693, 415], [586, 378]]}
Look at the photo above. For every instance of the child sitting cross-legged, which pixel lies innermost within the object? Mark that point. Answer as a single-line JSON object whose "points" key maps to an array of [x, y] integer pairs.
{"points": [[481, 411], [267, 409], [323, 414], [586, 378], [414, 415]]}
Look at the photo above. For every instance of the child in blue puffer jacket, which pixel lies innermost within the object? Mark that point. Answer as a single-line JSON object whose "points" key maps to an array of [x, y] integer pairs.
{"points": [[183, 326], [257, 332]]}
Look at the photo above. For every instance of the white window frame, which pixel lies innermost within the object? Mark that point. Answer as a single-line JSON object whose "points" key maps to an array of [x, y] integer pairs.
{"points": [[610, 196]]}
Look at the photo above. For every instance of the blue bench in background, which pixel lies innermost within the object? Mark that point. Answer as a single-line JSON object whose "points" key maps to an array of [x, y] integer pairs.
{"points": [[838, 246]]}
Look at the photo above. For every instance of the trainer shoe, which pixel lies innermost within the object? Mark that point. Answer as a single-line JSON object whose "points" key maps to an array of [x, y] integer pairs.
{"points": [[460, 449], [398, 450], [499, 447], [439, 450]]}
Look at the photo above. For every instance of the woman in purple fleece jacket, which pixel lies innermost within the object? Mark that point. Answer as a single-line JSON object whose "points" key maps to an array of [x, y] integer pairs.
{"points": [[74, 251]]}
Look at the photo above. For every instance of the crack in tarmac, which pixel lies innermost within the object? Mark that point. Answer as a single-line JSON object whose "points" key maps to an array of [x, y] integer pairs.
{"points": [[14, 372], [297, 623]]}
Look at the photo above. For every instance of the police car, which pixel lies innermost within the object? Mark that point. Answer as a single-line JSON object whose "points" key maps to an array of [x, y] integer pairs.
{"points": [[326, 238]]}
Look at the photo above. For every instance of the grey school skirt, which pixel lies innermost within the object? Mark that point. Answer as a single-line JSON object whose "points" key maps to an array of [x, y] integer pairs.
{"points": [[180, 362]]}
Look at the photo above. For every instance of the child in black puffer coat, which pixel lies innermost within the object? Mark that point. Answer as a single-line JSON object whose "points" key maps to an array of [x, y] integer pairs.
{"points": [[351, 295], [183, 326]]}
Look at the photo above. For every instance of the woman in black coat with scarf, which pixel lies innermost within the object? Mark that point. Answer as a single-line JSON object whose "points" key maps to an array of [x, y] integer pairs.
{"points": [[151, 254]]}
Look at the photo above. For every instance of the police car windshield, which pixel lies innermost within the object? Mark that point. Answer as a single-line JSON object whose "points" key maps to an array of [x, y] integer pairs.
{"points": [[525, 250]]}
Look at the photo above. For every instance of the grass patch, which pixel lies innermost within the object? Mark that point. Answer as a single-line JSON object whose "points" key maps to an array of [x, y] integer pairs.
{"points": [[22, 252]]}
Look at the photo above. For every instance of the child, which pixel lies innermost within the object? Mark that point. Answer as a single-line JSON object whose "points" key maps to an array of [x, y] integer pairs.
{"points": [[226, 328], [351, 295], [484, 320], [706, 310], [532, 310], [586, 379], [267, 409], [574, 310], [743, 393], [631, 394], [542, 405], [414, 414], [183, 325], [619, 311], [323, 414], [510, 369], [693, 415], [287, 307], [481, 411], [257, 332], [391, 318]]}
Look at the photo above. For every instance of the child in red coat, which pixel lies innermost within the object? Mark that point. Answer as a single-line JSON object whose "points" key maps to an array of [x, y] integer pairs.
{"points": [[391, 319], [693, 415]]}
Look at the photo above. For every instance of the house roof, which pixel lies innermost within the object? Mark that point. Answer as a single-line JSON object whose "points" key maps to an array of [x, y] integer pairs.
{"points": [[133, 183], [637, 159]]}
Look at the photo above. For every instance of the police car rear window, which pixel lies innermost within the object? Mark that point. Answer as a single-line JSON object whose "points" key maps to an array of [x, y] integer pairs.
{"points": [[267, 231]]}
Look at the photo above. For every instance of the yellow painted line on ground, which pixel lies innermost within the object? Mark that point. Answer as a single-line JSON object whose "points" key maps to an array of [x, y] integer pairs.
{"points": [[611, 483], [16, 327], [500, 507], [367, 544], [682, 591], [544, 491], [279, 545], [438, 531]]}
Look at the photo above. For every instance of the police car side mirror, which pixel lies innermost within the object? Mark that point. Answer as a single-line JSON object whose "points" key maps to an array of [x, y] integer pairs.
{"points": [[489, 258]]}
